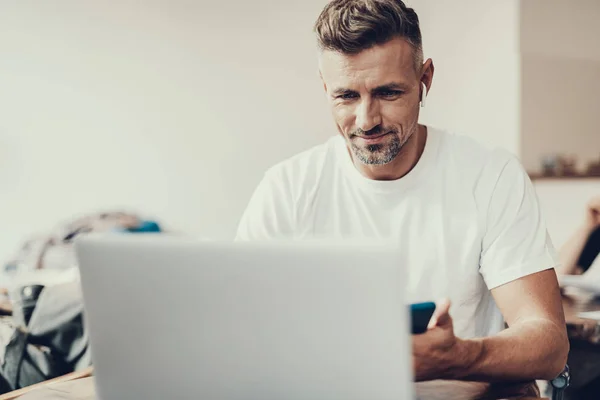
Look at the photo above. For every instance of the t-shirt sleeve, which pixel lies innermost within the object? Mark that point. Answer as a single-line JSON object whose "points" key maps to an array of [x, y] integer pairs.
{"points": [[516, 242], [269, 214]]}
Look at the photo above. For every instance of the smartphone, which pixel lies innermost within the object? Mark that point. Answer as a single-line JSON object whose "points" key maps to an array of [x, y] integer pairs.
{"points": [[420, 314]]}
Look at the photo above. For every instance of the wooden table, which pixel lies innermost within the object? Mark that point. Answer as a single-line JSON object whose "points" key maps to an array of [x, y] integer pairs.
{"points": [[57, 385], [80, 389], [584, 361], [83, 389]]}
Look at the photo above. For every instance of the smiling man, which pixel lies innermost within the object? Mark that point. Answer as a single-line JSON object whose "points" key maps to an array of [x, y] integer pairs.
{"points": [[465, 216]]}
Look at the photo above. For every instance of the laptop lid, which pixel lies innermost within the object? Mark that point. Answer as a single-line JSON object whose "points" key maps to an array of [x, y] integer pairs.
{"points": [[178, 318]]}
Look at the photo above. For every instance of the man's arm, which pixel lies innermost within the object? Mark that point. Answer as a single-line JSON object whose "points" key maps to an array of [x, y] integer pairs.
{"points": [[535, 346], [517, 264]]}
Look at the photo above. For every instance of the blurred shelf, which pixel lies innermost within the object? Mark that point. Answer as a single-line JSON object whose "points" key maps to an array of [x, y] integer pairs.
{"points": [[539, 177]]}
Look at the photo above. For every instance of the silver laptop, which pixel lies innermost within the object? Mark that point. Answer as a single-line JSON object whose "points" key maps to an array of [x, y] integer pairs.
{"points": [[174, 318]]}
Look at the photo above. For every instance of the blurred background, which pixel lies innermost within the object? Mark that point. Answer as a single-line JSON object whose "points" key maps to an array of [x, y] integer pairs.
{"points": [[175, 108], [163, 115]]}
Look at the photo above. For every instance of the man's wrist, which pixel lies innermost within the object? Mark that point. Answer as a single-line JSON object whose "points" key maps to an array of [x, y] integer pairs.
{"points": [[469, 353]]}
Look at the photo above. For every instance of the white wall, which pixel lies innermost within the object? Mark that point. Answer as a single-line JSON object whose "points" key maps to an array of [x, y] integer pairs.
{"points": [[173, 108], [475, 48]]}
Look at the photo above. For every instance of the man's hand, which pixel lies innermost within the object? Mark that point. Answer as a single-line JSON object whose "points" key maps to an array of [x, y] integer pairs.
{"points": [[593, 213], [437, 353]]}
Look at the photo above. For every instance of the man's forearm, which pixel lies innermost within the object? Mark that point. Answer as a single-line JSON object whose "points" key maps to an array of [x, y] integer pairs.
{"points": [[533, 349]]}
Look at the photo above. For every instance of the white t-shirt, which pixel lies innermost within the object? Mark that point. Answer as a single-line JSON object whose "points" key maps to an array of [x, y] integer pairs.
{"points": [[466, 219]]}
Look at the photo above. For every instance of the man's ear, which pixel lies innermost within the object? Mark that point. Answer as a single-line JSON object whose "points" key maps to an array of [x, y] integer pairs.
{"points": [[427, 74]]}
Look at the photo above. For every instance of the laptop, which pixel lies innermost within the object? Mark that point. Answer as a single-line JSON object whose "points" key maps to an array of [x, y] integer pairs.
{"points": [[178, 318]]}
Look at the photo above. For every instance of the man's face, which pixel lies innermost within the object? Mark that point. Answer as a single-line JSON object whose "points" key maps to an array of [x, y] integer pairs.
{"points": [[374, 97]]}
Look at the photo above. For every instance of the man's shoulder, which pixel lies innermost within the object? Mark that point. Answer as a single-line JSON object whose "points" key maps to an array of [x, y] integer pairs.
{"points": [[471, 154], [478, 168], [462, 145]]}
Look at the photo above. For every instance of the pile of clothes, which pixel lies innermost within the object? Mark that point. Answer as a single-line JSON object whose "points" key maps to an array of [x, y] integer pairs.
{"points": [[42, 333]]}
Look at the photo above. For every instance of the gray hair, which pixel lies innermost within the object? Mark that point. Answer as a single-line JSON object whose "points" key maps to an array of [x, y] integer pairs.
{"points": [[351, 26]]}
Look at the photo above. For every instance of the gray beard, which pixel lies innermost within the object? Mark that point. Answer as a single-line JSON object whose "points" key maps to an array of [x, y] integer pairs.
{"points": [[378, 154]]}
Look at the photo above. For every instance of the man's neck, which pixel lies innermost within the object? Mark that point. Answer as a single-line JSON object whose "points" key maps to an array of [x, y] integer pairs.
{"points": [[402, 164]]}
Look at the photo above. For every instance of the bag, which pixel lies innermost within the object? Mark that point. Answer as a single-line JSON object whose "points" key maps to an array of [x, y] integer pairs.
{"points": [[46, 337]]}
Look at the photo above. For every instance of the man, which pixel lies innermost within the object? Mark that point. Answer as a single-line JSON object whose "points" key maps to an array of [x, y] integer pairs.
{"points": [[465, 217]]}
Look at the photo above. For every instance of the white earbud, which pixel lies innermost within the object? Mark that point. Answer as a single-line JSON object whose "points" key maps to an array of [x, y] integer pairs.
{"points": [[423, 94]]}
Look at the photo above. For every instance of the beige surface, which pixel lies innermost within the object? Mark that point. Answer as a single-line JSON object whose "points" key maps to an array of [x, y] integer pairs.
{"points": [[560, 82], [560, 100], [55, 386], [80, 389], [561, 28]]}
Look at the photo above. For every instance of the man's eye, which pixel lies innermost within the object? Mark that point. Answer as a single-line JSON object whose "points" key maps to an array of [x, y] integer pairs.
{"points": [[347, 96], [391, 93]]}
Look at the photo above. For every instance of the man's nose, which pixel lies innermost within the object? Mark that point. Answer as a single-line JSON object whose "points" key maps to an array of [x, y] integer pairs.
{"points": [[367, 115]]}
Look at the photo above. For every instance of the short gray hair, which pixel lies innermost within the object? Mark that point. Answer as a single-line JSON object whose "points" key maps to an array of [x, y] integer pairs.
{"points": [[351, 26]]}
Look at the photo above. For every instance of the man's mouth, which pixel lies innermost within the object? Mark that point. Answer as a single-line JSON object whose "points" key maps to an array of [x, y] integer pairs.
{"points": [[372, 138]]}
